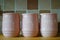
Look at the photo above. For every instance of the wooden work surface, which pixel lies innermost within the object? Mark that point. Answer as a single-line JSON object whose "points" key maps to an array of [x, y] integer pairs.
{"points": [[28, 38]]}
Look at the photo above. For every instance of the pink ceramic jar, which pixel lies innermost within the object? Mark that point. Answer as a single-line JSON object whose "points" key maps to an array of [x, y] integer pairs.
{"points": [[11, 24], [49, 26], [30, 25]]}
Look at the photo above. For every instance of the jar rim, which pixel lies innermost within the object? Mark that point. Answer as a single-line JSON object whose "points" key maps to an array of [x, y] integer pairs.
{"points": [[48, 14]]}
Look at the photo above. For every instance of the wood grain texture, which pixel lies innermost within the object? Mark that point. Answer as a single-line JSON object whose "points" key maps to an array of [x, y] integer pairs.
{"points": [[28, 38]]}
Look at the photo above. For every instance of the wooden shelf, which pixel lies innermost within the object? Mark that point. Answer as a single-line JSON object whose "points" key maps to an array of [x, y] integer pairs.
{"points": [[28, 38]]}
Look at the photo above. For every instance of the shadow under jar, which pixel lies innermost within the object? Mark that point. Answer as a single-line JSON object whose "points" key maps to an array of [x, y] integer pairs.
{"points": [[11, 24], [49, 25], [30, 25]]}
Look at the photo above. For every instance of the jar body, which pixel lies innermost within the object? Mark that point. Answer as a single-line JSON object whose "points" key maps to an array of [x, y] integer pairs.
{"points": [[49, 26], [10, 24], [30, 25]]}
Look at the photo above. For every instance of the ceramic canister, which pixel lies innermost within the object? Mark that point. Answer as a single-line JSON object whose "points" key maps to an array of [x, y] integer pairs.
{"points": [[49, 26], [11, 24], [30, 25]]}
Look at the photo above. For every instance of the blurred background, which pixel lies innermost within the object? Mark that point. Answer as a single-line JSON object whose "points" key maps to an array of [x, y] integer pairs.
{"points": [[30, 6]]}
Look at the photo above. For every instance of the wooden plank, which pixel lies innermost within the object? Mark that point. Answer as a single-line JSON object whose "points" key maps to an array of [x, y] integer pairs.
{"points": [[55, 4], [32, 4]]}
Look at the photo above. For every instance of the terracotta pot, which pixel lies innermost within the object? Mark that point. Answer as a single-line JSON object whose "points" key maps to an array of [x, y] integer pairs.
{"points": [[30, 25], [49, 26], [10, 24]]}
